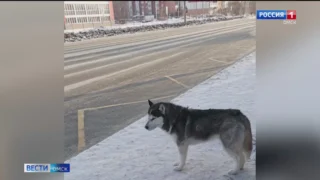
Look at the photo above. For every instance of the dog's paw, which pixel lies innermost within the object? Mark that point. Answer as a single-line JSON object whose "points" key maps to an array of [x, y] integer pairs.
{"points": [[176, 164], [178, 168], [233, 172]]}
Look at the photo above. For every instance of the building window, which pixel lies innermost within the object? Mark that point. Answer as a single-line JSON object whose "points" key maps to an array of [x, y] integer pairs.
{"points": [[68, 9], [106, 9], [80, 9], [98, 20], [101, 8], [71, 20], [92, 8], [89, 7], [94, 19], [105, 18], [82, 20]]}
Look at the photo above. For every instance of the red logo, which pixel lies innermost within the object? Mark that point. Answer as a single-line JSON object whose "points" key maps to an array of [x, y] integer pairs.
{"points": [[291, 14]]}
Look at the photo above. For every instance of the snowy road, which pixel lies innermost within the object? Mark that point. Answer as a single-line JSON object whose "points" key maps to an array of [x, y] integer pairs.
{"points": [[134, 153], [106, 80]]}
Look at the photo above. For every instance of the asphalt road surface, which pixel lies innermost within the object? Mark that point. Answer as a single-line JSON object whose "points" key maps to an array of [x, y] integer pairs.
{"points": [[107, 81]]}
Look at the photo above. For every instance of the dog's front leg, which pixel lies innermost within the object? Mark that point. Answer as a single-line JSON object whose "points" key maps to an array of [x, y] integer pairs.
{"points": [[183, 151]]}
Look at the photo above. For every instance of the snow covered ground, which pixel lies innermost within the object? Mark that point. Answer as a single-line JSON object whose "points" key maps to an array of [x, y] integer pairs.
{"points": [[137, 154]]}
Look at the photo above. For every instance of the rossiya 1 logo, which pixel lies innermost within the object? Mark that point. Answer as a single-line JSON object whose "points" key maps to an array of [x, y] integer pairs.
{"points": [[288, 16]]}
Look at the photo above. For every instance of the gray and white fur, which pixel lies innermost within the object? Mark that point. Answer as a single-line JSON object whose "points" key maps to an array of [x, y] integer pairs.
{"points": [[193, 126]]}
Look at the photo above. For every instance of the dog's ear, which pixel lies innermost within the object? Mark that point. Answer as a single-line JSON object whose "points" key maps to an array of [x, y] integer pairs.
{"points": [[150, 103], [162, 108]]}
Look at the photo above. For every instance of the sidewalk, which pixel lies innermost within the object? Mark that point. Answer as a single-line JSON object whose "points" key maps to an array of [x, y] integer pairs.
{"points": [[137, 154]]}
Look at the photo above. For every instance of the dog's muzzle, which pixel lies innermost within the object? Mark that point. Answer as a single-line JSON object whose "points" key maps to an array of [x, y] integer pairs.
{"points": [[146, 126]]}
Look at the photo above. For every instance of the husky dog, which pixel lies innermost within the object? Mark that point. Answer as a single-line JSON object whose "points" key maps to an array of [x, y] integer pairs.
{"points": [[193, 126]]}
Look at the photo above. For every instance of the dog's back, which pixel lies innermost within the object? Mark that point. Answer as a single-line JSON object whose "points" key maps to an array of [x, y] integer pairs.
{"points": [[234, 130], [231, 125]]}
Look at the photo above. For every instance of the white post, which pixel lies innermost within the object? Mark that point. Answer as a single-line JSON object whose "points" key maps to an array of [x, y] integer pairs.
{"points": [[167, 11], [185, 14], [202, 9], [156, 9], [197, 9], [179, 7], [102, 14], [85, 7], [75, 12]]}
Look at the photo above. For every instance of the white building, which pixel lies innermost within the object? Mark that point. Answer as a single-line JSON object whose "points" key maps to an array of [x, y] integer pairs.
{"points": [[87, 14]]}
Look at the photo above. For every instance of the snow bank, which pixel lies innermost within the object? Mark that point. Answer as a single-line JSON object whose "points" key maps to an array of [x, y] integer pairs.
{"points": [[137, 154], [139, 24], [250, 16], [85, 34], [132, 24]]}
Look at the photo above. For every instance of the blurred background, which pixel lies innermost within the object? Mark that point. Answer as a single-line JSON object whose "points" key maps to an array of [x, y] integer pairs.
{"points": [[96, 14]]}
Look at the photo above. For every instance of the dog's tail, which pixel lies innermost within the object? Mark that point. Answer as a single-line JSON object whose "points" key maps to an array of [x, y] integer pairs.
{"points": [[247, 143]]}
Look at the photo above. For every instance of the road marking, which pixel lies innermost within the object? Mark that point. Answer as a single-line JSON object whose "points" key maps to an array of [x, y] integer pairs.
{"points": [[81, 135], [128, 103], [81, 132], [180, 83], [212, 59], [111, 64], [89, 81]]}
